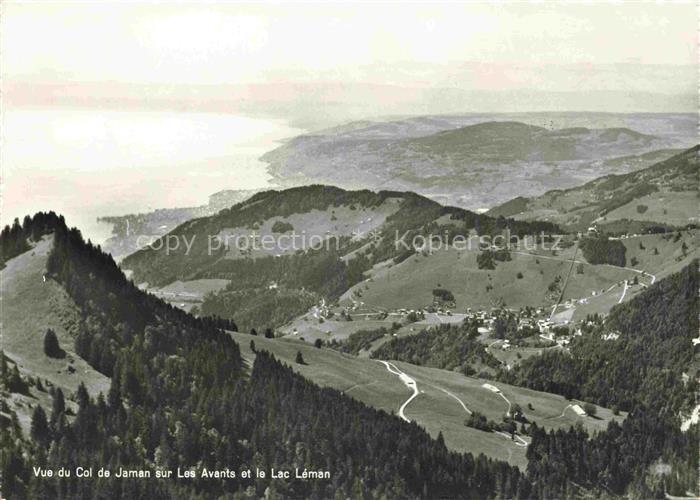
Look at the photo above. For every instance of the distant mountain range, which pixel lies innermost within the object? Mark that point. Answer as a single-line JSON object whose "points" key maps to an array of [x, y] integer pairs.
{"points": [[465, 161], [122, 356], [665, 193]]}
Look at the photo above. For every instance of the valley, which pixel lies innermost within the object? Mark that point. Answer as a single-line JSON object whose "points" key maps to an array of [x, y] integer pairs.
{"points": [[360, 240]]}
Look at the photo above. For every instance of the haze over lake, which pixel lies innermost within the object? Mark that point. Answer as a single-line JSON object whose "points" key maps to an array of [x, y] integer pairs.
{"points": [[89, 163]]}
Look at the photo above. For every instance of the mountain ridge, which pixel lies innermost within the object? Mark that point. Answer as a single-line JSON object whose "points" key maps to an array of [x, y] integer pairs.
{"points": [[592, 202]]}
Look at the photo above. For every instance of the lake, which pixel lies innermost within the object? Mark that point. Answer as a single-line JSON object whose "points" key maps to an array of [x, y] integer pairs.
{"points": [[88, 163]]}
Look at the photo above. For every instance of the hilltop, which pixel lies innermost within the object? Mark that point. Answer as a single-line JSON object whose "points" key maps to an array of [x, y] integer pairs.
{"points": [[665, 193]]}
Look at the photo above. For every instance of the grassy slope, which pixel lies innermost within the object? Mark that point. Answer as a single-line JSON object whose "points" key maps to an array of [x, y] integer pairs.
{"points": [[187, 294], [410, 284], [29, 307], [370, 382], [676, 208]]}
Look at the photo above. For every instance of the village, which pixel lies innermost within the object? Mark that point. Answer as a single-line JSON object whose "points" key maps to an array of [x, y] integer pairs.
{"points": [[501, 329]]}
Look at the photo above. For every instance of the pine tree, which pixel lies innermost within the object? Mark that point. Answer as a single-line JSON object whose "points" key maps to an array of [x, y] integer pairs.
{"points": [[82, 396], [59, 404], [114, 396], [51, 347], [15, 383], [40, 427], [299, 359]]}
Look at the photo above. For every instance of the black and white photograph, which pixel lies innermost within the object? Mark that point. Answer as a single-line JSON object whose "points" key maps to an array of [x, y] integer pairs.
{"points": [[349, 250]]}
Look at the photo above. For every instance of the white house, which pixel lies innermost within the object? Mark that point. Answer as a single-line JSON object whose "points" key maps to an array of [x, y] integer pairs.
{"points": [[579, 411]]}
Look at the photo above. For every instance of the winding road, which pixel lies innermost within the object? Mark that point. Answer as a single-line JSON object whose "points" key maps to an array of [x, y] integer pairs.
{"points": [[410, 383]]}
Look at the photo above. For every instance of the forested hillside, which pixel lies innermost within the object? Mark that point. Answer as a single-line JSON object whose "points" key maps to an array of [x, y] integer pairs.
{"points": [[452, 347], [361, 227], [642, 372], [180, 397]]}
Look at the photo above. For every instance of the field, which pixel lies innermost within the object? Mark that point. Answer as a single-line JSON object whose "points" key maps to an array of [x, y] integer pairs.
{"points": [[306, 230], [438, 406], [187, 294], [593, 288], [409, 284], [589, 289], [309, 328], [676, 208], [670, 257]]}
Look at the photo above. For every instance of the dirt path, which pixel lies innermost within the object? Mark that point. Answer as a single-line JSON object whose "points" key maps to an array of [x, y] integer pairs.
{"points": [[411, 384], [496, 390], [367, 384], [520, 441], [469, 412], [563, 412], [624, 292], [408, 381], [488, 349]]}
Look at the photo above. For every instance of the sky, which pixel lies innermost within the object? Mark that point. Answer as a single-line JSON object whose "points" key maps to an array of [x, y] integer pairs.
{"points": [[506, 45]]}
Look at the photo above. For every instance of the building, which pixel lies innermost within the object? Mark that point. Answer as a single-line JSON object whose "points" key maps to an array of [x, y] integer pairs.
{"points": [[579, 411]]}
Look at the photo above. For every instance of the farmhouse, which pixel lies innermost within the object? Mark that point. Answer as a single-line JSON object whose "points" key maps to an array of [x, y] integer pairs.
{"points": [[579, 411]]}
